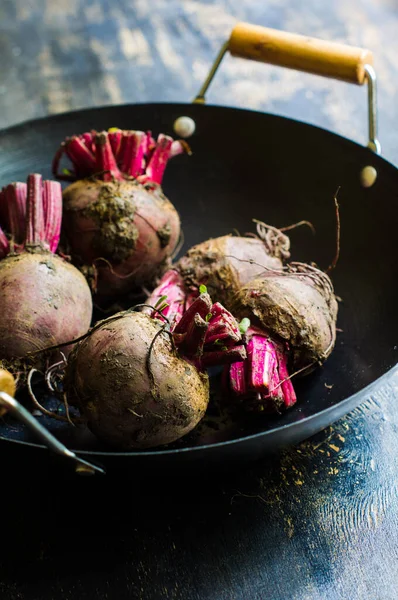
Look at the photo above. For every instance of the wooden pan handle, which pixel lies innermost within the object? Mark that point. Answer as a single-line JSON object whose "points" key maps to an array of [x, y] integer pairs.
{"points": [[7, 385], [300, 52]]}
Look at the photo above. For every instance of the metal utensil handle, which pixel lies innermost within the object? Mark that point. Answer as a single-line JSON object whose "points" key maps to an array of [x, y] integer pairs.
{"points": [[9, 404], [320, 57]]}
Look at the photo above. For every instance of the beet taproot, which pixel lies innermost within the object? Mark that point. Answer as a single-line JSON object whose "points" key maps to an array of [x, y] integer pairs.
{"points": [[119, 226]]}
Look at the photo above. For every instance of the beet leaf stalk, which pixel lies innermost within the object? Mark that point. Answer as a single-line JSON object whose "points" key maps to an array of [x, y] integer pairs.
{"points": [[117, 154], [208, 335], [262, 379]]}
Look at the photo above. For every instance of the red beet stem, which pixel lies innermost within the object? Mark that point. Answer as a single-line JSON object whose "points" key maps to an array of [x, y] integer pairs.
{"points": [[289, 395], [4, 245], [15, 199], [115, 140], [201, 306], [133, 153], [223, 327], [195, 337], [217, 309], [52, 208], [88, 139], [35, 232], [105, 160], [158, 160], [116, 153], [223, 357], [82, 158]]}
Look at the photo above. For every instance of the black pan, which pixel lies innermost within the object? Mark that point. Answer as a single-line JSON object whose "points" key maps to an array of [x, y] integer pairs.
{"points": [[246, 165]]}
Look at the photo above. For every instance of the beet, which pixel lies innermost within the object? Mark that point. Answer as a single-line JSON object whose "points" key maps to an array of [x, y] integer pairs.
{"points": [[227, 263], [45, 301], [140, 385], [119, 226], [297, 307]]}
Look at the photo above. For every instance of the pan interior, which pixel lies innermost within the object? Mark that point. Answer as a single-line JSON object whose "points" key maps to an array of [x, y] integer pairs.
{"points": [[251, 165]]}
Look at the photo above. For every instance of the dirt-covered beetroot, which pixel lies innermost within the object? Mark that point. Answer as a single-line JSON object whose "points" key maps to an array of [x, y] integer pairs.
{"points": [[227, 263], [44, 300], [119, 225], [139, 384], [296, 313], [297, 307]]}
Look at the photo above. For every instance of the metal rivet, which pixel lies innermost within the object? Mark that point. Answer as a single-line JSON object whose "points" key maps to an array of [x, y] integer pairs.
{"points": [[84, 470], [184, 127], [368, 176]]}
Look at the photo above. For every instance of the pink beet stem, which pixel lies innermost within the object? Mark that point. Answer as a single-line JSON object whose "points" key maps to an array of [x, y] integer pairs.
{"points": [[135, 145], [201, 306], [52, 207], [289, 395], [15, 196], [105, 160], [275, 390], [223, 357], [115, 140], [4, 245], [262, 359], [237, 378], [172, 286], [82, 158], [195, 337], [35, 233], [158, 160], [150, 145]]}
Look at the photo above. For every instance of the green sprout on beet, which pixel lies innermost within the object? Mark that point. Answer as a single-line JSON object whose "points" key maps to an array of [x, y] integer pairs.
{"points": [[244, 325]]}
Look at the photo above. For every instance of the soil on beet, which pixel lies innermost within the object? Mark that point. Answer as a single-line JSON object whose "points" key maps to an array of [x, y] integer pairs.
{"points": [[225, 264]]}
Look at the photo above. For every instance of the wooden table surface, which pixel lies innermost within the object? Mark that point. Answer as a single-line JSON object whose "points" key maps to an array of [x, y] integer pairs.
{"points": [[319, 521]]}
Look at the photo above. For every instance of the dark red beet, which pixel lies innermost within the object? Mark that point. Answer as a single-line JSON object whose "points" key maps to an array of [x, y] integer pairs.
{"points": [[118, 223]]}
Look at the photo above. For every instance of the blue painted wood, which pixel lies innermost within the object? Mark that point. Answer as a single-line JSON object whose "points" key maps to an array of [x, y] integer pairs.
{"points": [[318, 521]]}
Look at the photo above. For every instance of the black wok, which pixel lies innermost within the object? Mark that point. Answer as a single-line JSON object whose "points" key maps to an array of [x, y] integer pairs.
{"points": [[248, 165]]}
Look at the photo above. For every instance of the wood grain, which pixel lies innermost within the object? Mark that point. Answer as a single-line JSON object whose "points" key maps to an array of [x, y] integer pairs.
{"points": [[319, 521], [299, 52]]}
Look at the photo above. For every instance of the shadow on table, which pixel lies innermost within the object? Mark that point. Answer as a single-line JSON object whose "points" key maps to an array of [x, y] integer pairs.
{"points": [[264, 526]]}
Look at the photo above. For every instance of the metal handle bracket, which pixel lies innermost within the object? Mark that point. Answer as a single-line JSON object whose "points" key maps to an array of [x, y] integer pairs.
{"points": [[369, 78]]}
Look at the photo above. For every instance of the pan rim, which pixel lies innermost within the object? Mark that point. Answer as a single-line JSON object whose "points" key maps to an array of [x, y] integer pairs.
{"points": [[340, 408], [54, 117], [355, 399]]}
